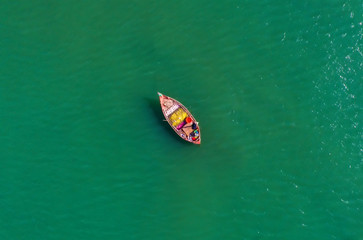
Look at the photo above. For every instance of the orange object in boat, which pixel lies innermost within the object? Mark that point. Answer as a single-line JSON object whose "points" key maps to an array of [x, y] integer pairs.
{"points": [[188, 120]]}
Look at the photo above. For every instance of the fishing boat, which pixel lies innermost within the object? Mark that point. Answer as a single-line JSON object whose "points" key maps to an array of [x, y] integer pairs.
{"points": [[180, 119]]}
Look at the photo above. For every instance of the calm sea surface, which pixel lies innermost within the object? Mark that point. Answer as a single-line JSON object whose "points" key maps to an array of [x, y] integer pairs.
{"points": [[275, 85]]}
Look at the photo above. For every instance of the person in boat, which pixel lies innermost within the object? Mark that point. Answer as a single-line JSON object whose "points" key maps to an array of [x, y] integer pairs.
{"points": [[194, 134]]}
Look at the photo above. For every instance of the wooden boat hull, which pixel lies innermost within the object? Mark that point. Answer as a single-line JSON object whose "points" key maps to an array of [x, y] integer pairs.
{"points": [[180, 119]]}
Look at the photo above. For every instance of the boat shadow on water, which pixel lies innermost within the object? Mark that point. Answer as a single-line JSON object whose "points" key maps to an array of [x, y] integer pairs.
{"points": [[154, 105]]}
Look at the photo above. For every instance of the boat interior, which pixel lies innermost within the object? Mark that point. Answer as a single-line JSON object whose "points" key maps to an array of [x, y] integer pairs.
{"points": [[180, 120]]}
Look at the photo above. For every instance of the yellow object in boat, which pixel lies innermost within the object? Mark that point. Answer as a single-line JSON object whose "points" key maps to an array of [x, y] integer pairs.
{"points": [[178, 116]]}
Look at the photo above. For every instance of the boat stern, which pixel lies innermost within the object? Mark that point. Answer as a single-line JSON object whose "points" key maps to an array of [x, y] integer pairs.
{"points": [[198, 141]]}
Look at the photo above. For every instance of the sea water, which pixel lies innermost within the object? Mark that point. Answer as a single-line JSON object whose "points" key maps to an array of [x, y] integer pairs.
{"points": [[275, 85]]}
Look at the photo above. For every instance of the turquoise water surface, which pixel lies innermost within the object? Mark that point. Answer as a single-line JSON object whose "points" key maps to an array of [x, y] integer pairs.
{"points": [[275, 85]]}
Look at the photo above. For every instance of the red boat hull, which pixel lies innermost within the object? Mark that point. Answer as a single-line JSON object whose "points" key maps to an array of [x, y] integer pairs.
{"points": [[180, 119]]}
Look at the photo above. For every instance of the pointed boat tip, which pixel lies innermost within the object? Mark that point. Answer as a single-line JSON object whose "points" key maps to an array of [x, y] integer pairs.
{"points": [[198, 142], [160, 95]]}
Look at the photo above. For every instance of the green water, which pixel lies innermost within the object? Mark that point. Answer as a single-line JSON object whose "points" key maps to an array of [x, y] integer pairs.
{"points": [[275, 85]]}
